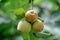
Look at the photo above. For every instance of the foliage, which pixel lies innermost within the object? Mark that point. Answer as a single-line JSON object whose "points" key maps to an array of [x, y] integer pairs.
{"points": [[12, 11]]}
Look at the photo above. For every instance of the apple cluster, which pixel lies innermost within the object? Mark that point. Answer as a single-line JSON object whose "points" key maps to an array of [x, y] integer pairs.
{"points": [[30, 22]]}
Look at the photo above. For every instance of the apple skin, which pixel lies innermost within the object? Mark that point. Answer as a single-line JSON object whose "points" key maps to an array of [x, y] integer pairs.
{"points": [[38, 26], [24, 26], [31, 16]]}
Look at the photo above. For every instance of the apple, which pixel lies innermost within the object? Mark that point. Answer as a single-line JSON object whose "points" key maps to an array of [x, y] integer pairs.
{"points": [[24, 26], [31, 16], [38, 26]]}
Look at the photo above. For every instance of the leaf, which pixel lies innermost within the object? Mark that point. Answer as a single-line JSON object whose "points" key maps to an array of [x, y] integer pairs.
{"points": [[19, 3], [55, 7], [32, 37], [19, 11], [12, 16], [37, 2], [9, 31]]}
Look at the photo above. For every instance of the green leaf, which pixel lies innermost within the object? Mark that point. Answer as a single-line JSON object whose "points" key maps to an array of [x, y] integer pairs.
{"points": [[19, 11], [32, 37], [9, 31], [19, 3], [37, 2]]}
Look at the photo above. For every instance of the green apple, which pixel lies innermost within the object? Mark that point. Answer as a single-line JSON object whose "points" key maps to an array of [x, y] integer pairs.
{"points": [[38, 26], [24, 26]]}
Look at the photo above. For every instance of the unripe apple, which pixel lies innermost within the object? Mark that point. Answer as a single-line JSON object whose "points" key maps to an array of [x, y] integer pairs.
{"points": [[31, 16], [38, 26], [24, 26]]}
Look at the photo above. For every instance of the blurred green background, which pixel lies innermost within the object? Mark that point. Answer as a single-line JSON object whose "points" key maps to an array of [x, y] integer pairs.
{"points": [[12, 11]]}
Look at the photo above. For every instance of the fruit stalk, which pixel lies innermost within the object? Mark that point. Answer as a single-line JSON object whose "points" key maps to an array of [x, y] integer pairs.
{"points": [[25, 36], [32, 4], [31, 35]]}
